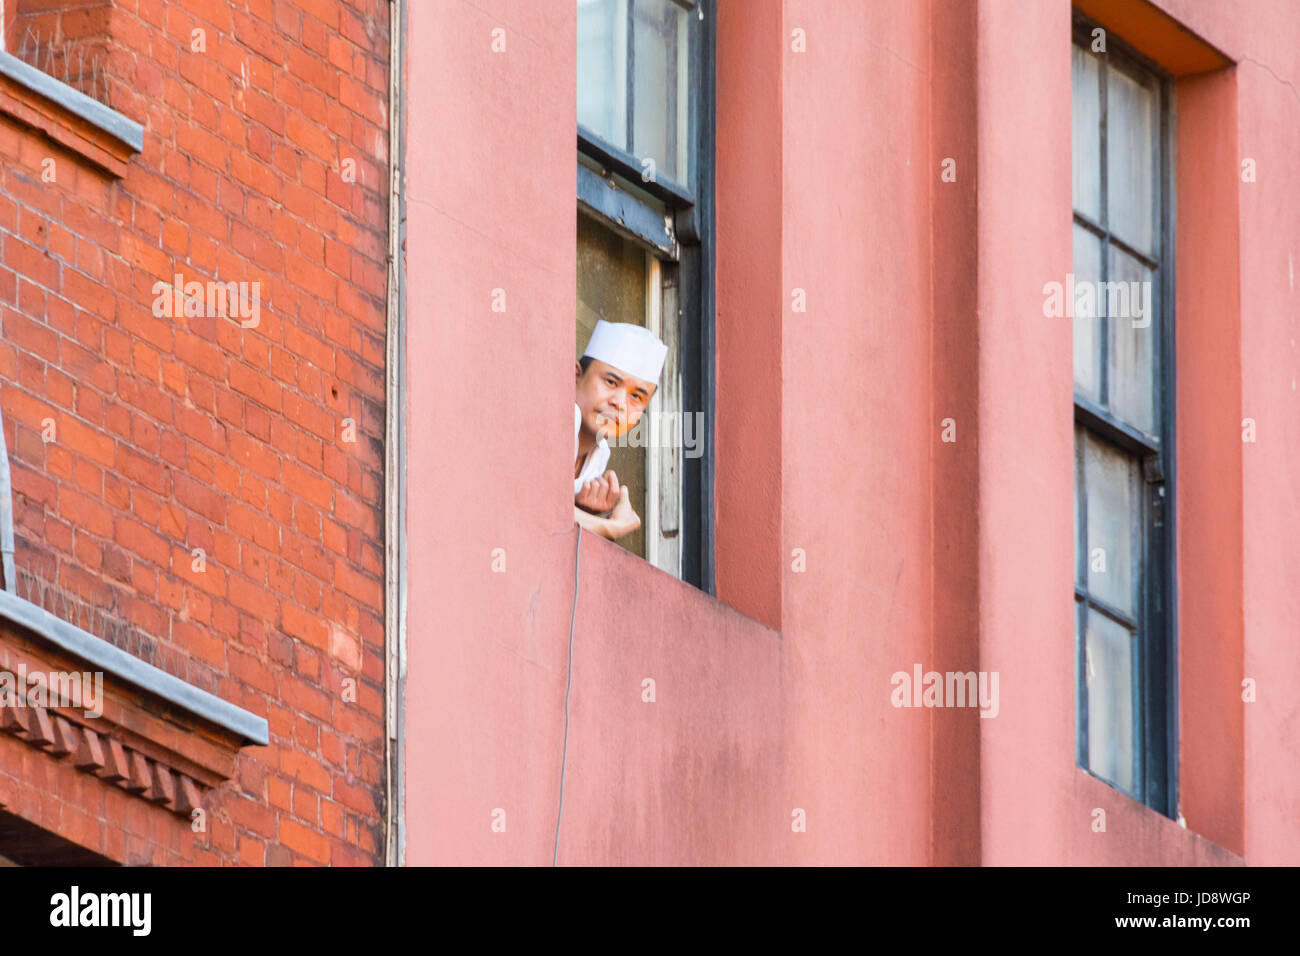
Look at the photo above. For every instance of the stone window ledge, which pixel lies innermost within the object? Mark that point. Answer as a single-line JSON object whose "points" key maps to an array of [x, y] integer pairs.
{"points": [[69, 117]]}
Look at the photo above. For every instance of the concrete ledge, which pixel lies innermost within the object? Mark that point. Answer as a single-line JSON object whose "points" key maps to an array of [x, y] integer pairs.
{"points": [[129, 132], [134, 672], [69, 117]]}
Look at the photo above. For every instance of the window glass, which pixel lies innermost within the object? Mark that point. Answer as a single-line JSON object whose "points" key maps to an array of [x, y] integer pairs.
{"points": [[1110, 483], [1120, 627], [1132, 343], [602, 69], [1087, 328], [661, 86], [1130, 160], [1086, 111], [1110, 700], [650, 39], [1080, 513]]}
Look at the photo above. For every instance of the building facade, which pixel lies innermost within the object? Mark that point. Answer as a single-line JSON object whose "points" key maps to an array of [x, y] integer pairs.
{"points": [[967, 496], [900, 435]]}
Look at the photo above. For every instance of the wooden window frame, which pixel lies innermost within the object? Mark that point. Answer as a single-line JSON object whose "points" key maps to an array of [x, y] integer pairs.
{"points": [[1155, 684]]}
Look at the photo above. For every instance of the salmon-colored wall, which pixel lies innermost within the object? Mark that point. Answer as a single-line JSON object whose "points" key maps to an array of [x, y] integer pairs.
{"points": [[1267, 127], [856, 422], [1030, 791], [751, 308], [924, 302], [694, 774], [1209, 444]]}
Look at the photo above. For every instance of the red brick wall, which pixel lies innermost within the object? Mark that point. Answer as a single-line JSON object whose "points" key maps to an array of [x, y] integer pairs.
{"points": [[8, 13], [66, 38], [177, 434]]}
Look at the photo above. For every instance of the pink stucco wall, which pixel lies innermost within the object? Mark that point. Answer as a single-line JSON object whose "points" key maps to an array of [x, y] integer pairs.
{"points": [[924, 303], [1264, 39], [857, 435]]}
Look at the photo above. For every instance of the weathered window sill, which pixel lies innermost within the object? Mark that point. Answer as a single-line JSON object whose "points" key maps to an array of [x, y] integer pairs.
{"points": [[69, 117]]}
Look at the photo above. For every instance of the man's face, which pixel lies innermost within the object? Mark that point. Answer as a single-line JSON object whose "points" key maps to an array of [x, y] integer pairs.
{"points": [[611, 401]]}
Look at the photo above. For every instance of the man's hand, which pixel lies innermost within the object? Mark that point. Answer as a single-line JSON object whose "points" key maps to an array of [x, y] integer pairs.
{"points": [[621, 521], [599, 495]]}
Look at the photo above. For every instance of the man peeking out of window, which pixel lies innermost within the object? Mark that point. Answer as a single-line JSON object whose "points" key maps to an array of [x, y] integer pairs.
{"points": [[616, 378]]}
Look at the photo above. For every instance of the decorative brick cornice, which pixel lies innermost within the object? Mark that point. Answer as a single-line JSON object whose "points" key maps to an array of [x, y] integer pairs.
{"points": [[102, 755], [147, 733]]}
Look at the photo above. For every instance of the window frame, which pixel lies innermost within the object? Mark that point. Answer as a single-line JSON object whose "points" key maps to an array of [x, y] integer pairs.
{"points": [[1155, 671], [627, 164], [611, 191]]}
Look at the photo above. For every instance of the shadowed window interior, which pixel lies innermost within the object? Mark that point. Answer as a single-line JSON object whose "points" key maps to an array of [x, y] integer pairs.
{"points": [[612, 276], [25, 844]]}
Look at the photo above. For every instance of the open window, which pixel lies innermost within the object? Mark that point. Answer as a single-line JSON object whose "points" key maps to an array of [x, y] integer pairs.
{"points": [[644, 250]]}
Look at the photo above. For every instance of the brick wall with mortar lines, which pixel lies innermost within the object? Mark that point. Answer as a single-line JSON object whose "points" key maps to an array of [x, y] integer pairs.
{"points": [[185, 433], [66, 38]]}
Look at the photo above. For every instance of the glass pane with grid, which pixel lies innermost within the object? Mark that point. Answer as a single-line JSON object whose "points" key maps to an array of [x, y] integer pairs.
{"points": [[1086, 126], [1087, 325], [1133, 340], [1131, 130], [1111, 482], [635, 82], [602, 69], [660, 86], [1111, 731], [1118, 244]]}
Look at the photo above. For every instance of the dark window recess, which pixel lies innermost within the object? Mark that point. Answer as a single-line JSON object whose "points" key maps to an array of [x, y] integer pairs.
{"points": [[26, 844]]}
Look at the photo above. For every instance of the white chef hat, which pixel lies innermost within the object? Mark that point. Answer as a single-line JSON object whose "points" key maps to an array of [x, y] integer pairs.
{"points": [[629, 348]]}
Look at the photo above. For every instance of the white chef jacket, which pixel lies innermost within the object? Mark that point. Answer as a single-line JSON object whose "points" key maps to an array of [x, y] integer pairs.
{"points": [[596, 461]]}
